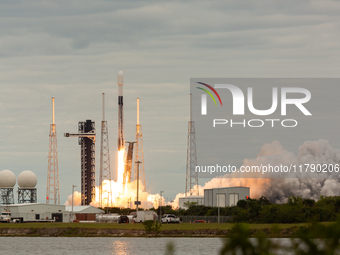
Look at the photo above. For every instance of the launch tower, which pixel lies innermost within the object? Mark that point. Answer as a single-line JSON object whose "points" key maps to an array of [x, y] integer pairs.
{"points": [[191, 187], [86, 139], [105, 172], [53, 193], [139, 155]]}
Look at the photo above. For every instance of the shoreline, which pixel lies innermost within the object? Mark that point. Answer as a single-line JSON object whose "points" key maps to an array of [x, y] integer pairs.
{"points": [[138, 230], [90, 232]]}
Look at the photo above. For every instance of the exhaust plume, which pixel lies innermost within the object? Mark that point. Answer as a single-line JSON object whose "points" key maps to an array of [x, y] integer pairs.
{"points": [[277, 190]]}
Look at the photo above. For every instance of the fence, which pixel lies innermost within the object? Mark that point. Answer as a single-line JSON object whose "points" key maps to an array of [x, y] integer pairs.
{"points": [[207, 219]]}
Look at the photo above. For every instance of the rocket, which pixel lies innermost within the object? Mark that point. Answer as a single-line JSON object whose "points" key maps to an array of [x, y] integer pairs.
{"points": [[120, 81]]}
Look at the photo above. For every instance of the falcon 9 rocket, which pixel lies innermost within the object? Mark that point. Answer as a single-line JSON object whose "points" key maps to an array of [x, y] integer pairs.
{"points": [[120, 81]]}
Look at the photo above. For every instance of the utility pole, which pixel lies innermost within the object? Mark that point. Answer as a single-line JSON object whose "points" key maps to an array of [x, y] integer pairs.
{"points": [[160, 207], [218, 204], [137, 202], [72, 201]]}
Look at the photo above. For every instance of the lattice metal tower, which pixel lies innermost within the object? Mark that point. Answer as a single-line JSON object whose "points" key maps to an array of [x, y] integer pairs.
{"points": [[105, 173], [52, 193], [139, 154], [86, 139], [191, 188], [6, 196], [27, 196]]}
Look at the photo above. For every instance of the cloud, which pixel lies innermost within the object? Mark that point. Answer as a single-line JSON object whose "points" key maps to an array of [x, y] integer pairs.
{"points": [[73, 50]]}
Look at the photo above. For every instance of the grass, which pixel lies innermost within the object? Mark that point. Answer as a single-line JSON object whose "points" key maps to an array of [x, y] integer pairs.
{"points": [[182, 226], [170, 230]]}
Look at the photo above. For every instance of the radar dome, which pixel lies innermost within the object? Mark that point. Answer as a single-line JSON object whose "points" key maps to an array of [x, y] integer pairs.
{"points": [[7, 179], [27, 180]]}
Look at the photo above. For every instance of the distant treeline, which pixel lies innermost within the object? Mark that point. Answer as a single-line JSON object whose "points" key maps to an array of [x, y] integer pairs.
{"points": [[261, 210], [296, 210]]}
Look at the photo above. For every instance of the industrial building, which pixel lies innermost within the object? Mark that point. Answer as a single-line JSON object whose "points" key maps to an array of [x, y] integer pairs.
{"points": [[222, 197], [227, 196], [35, 211], [183, 201], [61, 213], [84, 213]]}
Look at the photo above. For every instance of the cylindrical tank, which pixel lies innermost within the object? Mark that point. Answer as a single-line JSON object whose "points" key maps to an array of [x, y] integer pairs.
{"points": [[7, 179], [27, 180], [107, 217]]}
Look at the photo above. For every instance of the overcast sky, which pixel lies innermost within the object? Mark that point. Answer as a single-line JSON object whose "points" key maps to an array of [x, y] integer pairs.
{"points": [[73, 50]]}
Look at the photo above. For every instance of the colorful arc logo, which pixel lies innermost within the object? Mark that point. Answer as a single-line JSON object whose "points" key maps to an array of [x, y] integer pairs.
{"points": [[209, 93]]}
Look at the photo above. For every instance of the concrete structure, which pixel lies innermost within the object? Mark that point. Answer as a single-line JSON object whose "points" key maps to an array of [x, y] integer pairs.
{"points": [[227, 196], [199, 200], [35, 211], [84, 213]]}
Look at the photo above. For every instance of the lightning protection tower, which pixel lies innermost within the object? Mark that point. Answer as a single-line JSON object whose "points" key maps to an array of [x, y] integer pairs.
{"points": [[105, 173], [191, 188], [139, 155], [86, 139], [52, 193]]}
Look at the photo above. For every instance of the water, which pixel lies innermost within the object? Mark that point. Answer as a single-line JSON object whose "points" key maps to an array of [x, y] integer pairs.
{"points": [[107, 245], [116, 245]]}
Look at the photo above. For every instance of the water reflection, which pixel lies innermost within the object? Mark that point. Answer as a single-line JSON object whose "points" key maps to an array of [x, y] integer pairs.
{"points": [[120, 247]]}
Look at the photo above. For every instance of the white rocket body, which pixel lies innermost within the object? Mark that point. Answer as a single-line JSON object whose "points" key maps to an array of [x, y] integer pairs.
{"points": [[121, 140]]}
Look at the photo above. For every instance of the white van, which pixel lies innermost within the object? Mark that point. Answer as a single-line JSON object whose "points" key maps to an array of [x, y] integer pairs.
{"points": [[145, 215]]}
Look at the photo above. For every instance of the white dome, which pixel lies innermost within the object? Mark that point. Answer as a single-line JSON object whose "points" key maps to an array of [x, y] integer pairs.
{"points": [[27, 180], [7, 179]]}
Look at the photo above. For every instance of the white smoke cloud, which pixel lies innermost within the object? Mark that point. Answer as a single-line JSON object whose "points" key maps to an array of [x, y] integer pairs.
{"points": [[120, 197], [278, 189], [76, 199]]}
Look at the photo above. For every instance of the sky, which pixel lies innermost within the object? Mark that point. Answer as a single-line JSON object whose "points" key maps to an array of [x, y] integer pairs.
{"points": [[73, 50]]}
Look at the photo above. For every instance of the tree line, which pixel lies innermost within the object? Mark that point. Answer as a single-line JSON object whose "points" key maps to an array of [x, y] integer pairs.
{"points": [[296, 210]]}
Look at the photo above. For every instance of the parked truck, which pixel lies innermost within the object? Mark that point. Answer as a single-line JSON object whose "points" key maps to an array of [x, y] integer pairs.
{"points": [[145, 215], [6, 217]]}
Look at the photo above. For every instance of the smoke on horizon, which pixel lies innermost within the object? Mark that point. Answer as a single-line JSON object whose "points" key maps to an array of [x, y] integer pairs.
{"points": [[277, 190]]}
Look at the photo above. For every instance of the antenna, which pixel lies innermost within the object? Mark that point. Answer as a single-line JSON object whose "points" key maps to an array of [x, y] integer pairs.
{"points": [[103, 106], [53, 122], [190, 107], [138, 114]]}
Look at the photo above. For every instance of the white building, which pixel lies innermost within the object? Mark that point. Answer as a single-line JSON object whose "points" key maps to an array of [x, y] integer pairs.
{"points": [[184, 201], [226, 196], [36, 211], [84, 212], [44, 212]]}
